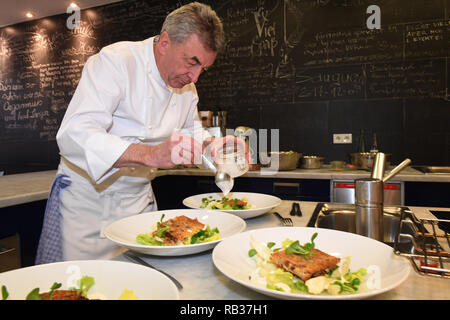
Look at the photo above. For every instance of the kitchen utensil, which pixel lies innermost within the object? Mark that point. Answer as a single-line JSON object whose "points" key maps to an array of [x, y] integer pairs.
{"points": [[311, 162], [364, 160], [287, 222], [231, 159], [369, 208], [223, 180], [430, 252], [296, 211], [369, 199], [206, 118], [378, 166], [287, 160], [397, 169], [221, 121], [137, 259], [231, 163], [250, 137]]}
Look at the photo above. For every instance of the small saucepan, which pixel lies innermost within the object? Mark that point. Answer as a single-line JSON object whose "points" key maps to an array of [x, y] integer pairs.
{"points": [[287, 160], [312, 162], [364, 160]]}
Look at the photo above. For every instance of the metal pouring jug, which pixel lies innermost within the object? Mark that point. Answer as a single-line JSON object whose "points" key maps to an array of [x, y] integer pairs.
{"points": [[369, 199], [369, 208]]}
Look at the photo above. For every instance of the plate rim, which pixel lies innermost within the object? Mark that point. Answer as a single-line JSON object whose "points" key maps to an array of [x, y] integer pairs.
{"points": [[300, 296]]}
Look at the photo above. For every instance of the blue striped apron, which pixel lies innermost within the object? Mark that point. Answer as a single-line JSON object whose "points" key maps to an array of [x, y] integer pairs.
{"points": [[50, 242]]}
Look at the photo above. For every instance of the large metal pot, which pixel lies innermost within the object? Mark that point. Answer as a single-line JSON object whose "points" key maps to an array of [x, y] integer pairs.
{"points": [[287, 160], [364, 160], [312, 162]]}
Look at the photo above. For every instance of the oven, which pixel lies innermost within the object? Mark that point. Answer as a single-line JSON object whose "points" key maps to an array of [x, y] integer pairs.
{"points": [[343, 191]]}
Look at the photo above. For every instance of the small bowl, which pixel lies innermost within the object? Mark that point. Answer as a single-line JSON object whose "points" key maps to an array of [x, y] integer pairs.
{"points": [[337, 165]]}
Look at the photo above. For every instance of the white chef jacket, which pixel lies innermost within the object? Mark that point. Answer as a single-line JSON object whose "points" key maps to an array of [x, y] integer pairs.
{"points": [[120, 99]]}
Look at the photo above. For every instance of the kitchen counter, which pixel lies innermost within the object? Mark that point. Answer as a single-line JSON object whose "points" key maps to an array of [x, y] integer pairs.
{"points": [[324, 173], [28, 187], [215, 285], [25, 187]]}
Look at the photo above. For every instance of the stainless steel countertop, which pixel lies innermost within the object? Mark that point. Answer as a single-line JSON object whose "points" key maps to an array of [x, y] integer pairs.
{"points": [[27, 187], [324, 173]]}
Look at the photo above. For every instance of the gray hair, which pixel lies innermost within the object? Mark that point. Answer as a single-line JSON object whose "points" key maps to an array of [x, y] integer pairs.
{"points": [[195, 18]]}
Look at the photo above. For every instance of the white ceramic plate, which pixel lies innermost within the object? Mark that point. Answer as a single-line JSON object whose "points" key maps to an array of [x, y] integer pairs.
{"points": [[124, 231], [111, 278], [262, 202], [231, 258]]}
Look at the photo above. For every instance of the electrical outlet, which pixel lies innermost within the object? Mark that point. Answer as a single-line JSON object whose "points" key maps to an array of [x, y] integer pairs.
{"points": [[342, 138]]}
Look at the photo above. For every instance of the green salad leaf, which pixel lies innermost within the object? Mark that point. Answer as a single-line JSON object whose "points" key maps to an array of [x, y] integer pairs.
{"points": [[337, 280], [160, 230], [55, 286], [306, 249], [225, 203], [34, 294], [204, 235], [5, 293], [84, 284]]}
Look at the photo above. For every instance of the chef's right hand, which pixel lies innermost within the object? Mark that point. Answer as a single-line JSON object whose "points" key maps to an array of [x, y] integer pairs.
{"points": [[176, 149]]}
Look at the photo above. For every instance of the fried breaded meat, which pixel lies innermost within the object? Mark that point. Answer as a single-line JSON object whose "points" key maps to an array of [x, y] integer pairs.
{"points": [[64, 295], [302, 266], [180, 228]]}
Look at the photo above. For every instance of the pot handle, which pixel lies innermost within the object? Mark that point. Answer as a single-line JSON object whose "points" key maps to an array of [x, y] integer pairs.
{"points": [[397, 169]]}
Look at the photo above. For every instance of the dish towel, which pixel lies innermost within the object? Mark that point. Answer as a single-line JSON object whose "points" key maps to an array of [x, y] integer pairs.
{"points": [[50, 243]]}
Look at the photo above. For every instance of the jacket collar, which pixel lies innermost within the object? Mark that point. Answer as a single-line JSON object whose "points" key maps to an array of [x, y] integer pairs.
{"points": [[152, 69]]}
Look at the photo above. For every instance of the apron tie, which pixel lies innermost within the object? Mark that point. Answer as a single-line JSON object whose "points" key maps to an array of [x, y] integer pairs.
{"points": [[50, 242]]}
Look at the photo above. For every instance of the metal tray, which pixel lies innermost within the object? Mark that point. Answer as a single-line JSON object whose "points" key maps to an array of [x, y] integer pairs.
{"points": [[433, 169]]}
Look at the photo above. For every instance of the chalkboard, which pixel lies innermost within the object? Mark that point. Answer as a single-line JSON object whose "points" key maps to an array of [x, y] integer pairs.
{"points": [[278, 52], [310, 50], [40, 66]]}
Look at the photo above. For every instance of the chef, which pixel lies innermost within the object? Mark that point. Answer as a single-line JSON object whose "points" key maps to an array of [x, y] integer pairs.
{"points": [[133, 111]]}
